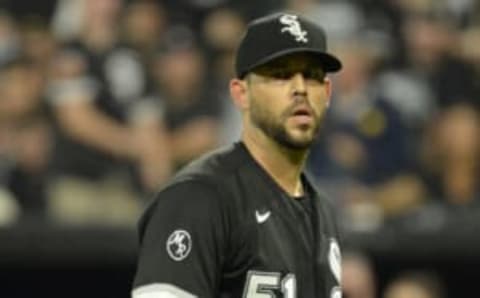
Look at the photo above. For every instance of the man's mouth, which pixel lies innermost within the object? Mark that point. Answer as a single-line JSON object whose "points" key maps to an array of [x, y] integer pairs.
{"points": [[302, 112], [302, 115]]}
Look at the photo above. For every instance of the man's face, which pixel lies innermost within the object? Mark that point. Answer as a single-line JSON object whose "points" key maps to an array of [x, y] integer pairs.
{"points": [[288, 98]]}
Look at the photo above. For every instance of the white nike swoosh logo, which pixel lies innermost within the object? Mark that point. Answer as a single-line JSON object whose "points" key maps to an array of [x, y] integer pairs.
{"points": [[261, 218]]}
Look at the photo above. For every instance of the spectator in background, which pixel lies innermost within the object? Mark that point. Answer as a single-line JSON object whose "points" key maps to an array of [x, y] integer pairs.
{"points": [[25, 134], [358, 276], [432, 55], [145, 22], [25, 131], [220, 32], [451, 156], [430, 72], [190, 108], [38, 43], [103, 127], [221, 29], [365, 152], [415, 285]]}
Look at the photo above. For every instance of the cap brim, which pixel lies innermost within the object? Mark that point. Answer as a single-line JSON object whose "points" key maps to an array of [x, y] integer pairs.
{"points": [[329, 62]]}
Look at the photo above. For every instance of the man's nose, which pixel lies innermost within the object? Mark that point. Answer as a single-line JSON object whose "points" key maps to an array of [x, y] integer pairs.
{"points": [[299, 85]]}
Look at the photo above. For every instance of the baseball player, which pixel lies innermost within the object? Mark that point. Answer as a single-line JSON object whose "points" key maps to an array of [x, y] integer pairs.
{"points": [[245, 221]]}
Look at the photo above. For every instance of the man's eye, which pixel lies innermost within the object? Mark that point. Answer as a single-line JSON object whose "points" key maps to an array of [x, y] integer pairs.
{"points": [[313, 74], [281, 74]]}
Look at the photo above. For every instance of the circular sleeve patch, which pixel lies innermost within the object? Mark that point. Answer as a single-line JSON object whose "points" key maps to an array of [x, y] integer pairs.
{"points": [[179, 245]]}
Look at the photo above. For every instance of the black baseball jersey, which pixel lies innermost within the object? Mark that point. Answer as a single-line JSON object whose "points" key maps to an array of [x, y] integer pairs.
{"points": [[224, 228]]}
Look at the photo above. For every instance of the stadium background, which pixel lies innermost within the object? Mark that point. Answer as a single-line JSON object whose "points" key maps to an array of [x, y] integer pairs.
{"points": [[399, 153]]}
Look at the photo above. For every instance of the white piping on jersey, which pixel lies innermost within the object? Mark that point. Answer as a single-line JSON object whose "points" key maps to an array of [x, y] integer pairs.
{"points": [[160, 290]]}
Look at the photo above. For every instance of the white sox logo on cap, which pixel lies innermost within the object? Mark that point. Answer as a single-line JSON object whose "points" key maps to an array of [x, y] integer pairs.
{"points": [[293, 27], [281, 34]]}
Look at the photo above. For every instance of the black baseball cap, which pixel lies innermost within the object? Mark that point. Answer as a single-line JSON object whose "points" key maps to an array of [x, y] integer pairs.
{"points": [[280, 34]]}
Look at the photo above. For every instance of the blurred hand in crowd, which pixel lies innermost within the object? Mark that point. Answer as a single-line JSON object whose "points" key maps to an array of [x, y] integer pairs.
{"points": [[415, 285], [358, 276]]}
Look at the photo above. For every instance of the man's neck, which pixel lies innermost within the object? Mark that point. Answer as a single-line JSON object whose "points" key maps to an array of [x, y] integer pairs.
{"points": [[284, 165]]}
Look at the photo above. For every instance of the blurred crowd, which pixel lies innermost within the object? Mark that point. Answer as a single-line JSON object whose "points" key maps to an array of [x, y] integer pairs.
{"points": [[103, 100], [359, 280], [403, 134]]}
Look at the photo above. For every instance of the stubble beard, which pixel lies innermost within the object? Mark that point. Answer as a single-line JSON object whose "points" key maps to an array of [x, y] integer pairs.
{"points": [[276, 128]]}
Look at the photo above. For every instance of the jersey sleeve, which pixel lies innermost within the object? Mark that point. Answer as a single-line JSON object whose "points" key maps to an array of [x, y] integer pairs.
{"points": [[182, 243]]}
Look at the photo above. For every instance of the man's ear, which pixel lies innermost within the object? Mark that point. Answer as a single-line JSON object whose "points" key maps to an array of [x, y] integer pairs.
{"points": [[239, 93]]}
